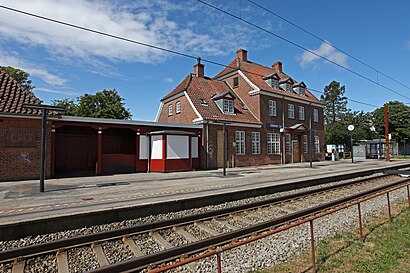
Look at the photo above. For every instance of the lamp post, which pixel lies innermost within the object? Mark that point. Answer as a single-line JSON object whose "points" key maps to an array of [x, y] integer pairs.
{"points": [[351, 128]]}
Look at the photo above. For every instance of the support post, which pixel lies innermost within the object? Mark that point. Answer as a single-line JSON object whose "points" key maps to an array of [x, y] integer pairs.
{"points": [[99, 152], [360, 222], [225, 147], [386, 130], [408, 195], [43, 148], [388, 206], [312, 241]]}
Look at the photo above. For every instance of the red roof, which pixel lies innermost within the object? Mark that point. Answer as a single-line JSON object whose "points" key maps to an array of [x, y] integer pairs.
{"points": [[202, 90], [254, 72], [13, 95]]}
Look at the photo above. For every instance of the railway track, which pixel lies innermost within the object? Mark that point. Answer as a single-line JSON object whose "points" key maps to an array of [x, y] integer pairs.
{"points": [[137, 247]]}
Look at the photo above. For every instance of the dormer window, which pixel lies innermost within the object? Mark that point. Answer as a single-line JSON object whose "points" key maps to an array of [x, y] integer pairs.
{"points": [[300, 88], [272, 80], [228, 106], [302, 91], [288, 88]]}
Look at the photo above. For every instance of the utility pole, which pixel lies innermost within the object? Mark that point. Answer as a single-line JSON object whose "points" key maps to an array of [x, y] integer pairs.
{"points": [[386, 130]]}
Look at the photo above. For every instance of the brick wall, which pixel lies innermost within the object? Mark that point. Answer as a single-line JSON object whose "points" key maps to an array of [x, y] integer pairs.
{"points": [[186, 116], [20, 148]]}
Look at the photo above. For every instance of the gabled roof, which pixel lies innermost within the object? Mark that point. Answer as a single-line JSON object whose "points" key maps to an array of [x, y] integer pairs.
{"points": [[301, 84], [223, 95], [199, 88], [287, 80], [274, 76], [255, 73], [13, 95]]}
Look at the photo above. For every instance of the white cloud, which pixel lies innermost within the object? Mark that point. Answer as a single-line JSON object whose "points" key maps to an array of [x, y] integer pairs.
{"points": [[35, 71], [53, 91], [176, 25], [168, 80], [325, 50]]}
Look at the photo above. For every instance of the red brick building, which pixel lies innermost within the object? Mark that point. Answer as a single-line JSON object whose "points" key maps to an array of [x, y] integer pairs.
{"points": [[79, 146], [268, 114]]}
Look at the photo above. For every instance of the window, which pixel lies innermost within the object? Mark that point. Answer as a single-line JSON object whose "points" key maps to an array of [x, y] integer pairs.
{"points": [[275, 84], [272, 108], [315, 115], [301, 91], [305, 144], [301, 113], [178, 107], [170, 110], [273, 143], [240, 142], [228, 106], [256, 143], [291, 111], [288, 149], [235, 82], [317, 144], [288, 88]]}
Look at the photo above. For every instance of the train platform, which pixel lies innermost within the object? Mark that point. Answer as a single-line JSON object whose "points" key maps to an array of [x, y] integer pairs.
{"points": [[70, 199]]}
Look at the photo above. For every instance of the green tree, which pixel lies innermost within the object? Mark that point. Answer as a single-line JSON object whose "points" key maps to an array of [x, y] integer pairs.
{"points": [[335, 102], [399, 120], [69, 106], [20, 76], [104, 104]]}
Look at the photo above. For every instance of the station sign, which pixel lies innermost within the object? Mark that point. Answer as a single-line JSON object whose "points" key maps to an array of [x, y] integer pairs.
{"points": [[273, 126]]}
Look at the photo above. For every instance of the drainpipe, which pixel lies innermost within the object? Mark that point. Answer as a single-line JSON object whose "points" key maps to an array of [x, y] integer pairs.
{"points": [[310, 135], [207, 145]]}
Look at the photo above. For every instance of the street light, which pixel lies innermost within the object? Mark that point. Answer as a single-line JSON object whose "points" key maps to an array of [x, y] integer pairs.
{"points": [[351, 128]]}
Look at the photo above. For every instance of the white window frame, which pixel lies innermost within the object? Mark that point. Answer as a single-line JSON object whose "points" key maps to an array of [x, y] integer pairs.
{"points": [[228, 107], [273, 143], [301, 113], [272, 108], [275, 84], [256, 143], [302, 91], [291, 111], [170, 111], [240, 142], [317, 144], [305, 144], [315, 115], [288, 87], [178, 107], [288, 144]]}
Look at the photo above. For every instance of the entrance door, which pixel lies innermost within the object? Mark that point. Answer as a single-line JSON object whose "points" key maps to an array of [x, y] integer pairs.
{"points": [[296, 151], [220, 148]]}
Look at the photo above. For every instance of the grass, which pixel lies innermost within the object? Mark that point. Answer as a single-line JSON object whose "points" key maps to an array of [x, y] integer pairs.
{"points": [[386, 249]]}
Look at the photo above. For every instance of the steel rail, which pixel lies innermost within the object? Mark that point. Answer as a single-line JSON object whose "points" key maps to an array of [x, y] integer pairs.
{"points": [[216, 251], [138, 263], [53, 246]]}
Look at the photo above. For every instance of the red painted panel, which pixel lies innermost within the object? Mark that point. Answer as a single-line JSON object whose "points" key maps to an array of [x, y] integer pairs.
{"points": [[157, 165], [177, 165], [118, 163], [75, 153], [141, 165]]}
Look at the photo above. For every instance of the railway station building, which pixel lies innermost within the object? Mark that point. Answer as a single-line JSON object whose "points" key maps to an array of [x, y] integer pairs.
{"points": [[79, 146], [270, 117]]}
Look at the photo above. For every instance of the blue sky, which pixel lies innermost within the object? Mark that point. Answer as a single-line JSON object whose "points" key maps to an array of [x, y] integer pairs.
{"points": [[65, 62]]}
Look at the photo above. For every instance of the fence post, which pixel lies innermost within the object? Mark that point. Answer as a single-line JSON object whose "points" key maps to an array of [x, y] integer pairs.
{"points": [[408, 195], [388, 206], [218, 260], [360, 222], [312, 241]]}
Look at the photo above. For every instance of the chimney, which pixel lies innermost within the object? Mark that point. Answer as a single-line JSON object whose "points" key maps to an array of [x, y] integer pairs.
{"points": [[277, 66], [199, 69], [242, 54]]}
